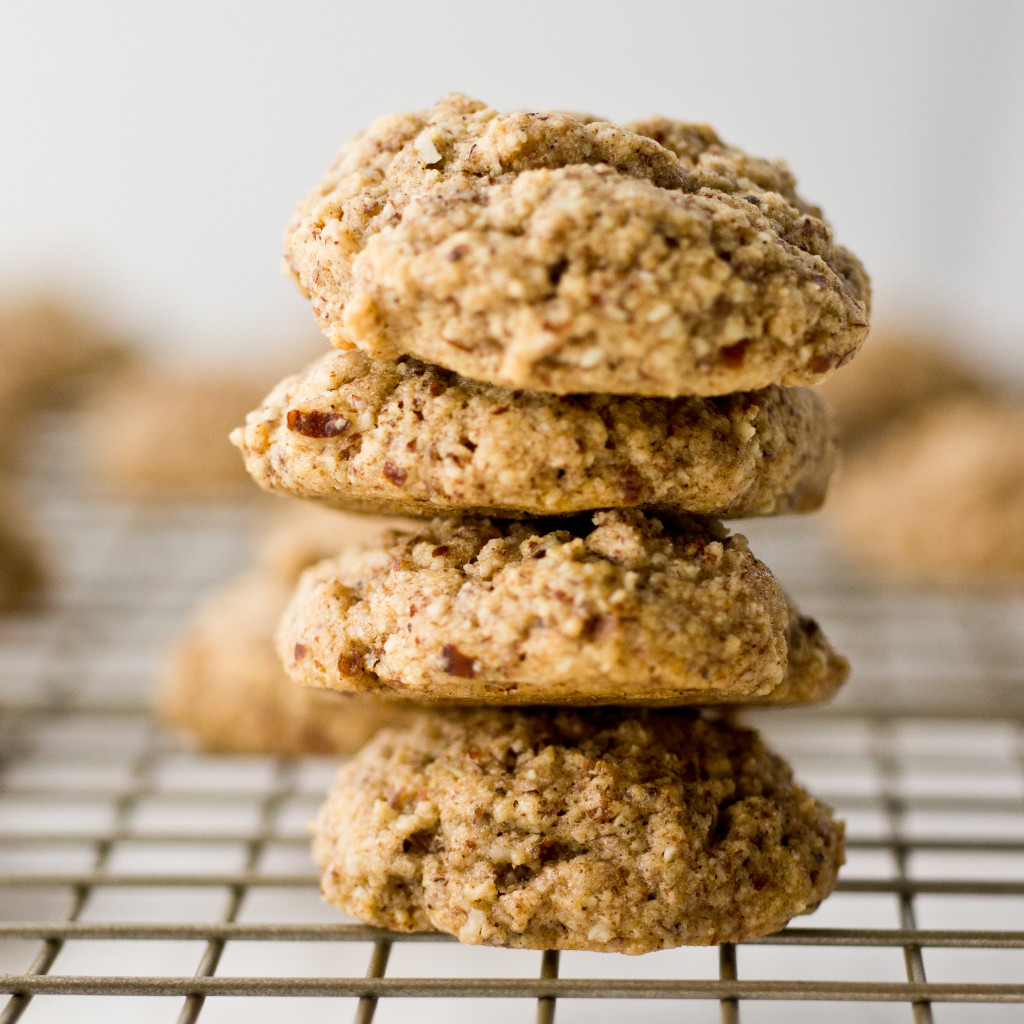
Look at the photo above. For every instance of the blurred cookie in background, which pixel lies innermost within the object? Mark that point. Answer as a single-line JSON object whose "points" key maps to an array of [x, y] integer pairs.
{"points": [[899, 373], [938, 500], [162, 433], [21, 561], [49, 348], [223, 682], [51, 353], [158, 430]]}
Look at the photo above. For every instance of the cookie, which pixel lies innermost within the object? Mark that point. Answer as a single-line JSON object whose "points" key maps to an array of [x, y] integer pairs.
{"points": [[164, 433], [224, 684], [49, 348], [540, 251], [603, 829], [899, 375], [939, 499], [610, 609], [406, 438], [21, 570]]}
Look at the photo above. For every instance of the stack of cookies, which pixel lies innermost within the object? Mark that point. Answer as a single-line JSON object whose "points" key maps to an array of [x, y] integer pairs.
{"points": [[572, 347]]}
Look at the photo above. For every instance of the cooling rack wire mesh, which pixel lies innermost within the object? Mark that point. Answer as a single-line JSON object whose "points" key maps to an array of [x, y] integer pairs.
{"points": [[142, 881]]}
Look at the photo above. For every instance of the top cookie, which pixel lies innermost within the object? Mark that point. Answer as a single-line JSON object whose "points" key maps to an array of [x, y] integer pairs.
{"points": [[549, 253]]}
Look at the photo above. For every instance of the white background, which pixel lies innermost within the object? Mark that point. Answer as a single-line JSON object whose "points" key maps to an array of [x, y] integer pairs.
{"points": [[151, 153]]}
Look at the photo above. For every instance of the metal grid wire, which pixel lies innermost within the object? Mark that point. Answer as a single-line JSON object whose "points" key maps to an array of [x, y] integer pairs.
{"points": [[141, 881]]}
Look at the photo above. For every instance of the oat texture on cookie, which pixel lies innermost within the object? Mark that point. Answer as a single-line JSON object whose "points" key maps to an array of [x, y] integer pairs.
{"points": [[549, 253], [569, 348]]}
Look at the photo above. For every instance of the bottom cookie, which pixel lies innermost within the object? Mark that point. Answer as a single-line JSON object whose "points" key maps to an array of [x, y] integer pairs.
{"points": [[604, 829], [223, 683]]}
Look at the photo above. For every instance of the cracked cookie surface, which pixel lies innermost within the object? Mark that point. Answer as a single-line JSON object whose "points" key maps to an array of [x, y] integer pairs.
{"points": [[611, 608], [541, 251], [605, 829], [406, 438]]}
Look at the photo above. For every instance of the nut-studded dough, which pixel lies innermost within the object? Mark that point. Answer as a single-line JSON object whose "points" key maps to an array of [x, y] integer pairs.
{"points": [[407, 438], [539, 251], [610, 609], [606, 829]]}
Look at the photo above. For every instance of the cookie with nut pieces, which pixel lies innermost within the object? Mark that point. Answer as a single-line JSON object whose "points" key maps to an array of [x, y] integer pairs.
{"points": [[407, 438], [584, 829], [222, 682], [613, 608], [552, 253]]}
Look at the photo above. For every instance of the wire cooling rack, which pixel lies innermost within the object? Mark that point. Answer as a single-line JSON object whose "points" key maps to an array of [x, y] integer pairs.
{"points": [[142, 881]]}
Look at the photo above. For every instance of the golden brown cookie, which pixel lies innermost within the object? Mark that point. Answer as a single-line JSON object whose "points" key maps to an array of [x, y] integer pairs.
{"points": [[814, 672], [898, 375], [610, 609], [939, 499], [224, 684], [605, 829], [406, 438], [539, 251]]}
